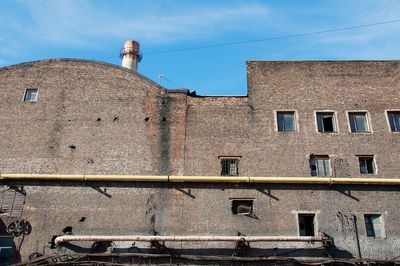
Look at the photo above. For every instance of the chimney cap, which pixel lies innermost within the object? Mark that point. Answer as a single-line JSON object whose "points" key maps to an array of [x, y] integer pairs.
{"points": [[131, 47]]}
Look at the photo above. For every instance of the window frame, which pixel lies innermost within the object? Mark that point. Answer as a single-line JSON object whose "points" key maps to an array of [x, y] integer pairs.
{"points": [[309, 214], [387, 112], [334, 121], [295, 121], [250, 213], [374, 168], [382, 224], [324, 158], [24, 99], [236, 158], [367, 121]]}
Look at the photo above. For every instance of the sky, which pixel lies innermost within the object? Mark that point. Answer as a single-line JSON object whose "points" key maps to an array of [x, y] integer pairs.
{"points": [[169, 30]]}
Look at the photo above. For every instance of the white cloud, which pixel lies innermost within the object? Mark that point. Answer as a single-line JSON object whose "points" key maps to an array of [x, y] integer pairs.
{"points": [[76, 23]]}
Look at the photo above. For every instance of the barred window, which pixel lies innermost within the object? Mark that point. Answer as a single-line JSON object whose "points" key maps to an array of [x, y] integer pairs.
{"points": [[229, 166]]}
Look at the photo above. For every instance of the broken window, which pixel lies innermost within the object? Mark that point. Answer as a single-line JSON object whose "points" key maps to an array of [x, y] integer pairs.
{"points": [[229, 166], [286, 121], [30, 95], [326, 122], [373, 225], [242, 206], [366, 164], [306, 224], [358, 122], [320, 166], [394, 120]]}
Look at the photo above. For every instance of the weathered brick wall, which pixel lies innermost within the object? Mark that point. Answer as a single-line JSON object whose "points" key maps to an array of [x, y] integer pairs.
{"points": [[122, 123], [216, 127], [115, 119]]}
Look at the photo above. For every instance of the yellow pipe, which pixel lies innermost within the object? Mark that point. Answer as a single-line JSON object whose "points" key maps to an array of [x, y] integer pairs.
{"points": [[201, 179]]}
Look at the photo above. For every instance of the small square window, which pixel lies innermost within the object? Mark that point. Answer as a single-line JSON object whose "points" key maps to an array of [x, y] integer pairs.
{"points": [[306, 224], [373, 225], [394, 120], [358, 122], [242, 206], [229, 167], [366, 164], [30, 95], [320, 166], [326, 122], [286, 121]]}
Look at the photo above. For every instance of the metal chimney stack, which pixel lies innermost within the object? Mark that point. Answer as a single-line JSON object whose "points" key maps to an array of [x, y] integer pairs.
{"points": [[131, 55]]}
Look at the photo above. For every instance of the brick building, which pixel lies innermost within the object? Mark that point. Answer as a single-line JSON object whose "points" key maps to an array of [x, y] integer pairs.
{"points": [[310, 156]]}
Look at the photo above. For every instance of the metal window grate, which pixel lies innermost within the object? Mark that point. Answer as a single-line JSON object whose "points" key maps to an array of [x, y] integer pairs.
{"points": [[229, 167]]}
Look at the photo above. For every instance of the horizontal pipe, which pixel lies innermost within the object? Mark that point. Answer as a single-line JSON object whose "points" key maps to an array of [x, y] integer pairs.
{"points": [[220, 179], [68, 238]]}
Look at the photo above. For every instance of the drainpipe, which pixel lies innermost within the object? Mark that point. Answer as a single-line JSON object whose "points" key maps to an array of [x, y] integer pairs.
{"points": [[207, 179], [68, 238]]}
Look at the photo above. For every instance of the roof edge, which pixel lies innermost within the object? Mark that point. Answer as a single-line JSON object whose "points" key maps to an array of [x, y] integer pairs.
{"points": [[85, 61]]}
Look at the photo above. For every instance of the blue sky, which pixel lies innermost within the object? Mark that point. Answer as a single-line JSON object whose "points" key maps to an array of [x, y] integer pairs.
{"points": [[96, 29]]}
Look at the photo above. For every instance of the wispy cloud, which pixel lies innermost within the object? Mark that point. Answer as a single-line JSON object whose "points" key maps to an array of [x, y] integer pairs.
{"points": [[77, 22]]}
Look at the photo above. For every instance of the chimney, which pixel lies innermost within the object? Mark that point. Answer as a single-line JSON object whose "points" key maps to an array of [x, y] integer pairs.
{"points": [[131, 55]]}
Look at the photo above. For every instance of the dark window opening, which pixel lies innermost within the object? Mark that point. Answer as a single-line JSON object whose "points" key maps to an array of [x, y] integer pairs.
{"points": [[286, 121], [358, 122], [325, 122], [229, 167], [241, 206], [373, 225], [306, 224], [394, 121], [366, 164]]}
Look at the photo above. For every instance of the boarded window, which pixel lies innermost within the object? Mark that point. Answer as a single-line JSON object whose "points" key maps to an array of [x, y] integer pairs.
{"points": [[358, 122], [306, 224], [286, 121], [320, 166], [229, 167], [366, 164], [373, 225], [394, 120], [13, 202], [326, 122]]}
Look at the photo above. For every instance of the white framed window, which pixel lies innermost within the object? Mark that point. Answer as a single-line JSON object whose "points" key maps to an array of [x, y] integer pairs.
{"points": [[358, 122], [30, 95], [374, 225], [286, 121], [366, 164], [320, 165], [326, 121], [394, 120]]}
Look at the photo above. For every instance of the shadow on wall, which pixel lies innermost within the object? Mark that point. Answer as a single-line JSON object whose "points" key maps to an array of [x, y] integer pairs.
{"points": [[238, 251]]}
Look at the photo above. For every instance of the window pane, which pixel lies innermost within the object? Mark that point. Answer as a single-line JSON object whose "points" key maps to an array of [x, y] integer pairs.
{"points": [[394, 121], [352, 123], [320, 123], [327, 167], [361, 123], [280, 121], [328, 123], [289, 121], [321, 171], [363, 166], [30, 95], [313, 166]]}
